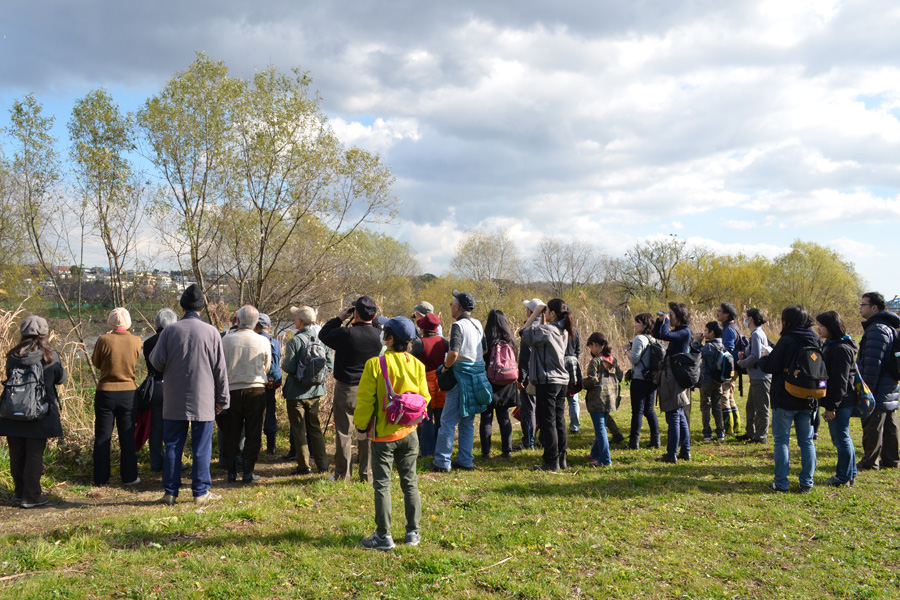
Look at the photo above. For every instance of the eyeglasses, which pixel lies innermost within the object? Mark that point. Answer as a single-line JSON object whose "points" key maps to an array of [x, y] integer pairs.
{"points": [[861, 305]]}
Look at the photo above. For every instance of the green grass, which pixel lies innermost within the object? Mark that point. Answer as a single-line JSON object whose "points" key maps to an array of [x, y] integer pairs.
{"points": [[707, 529]]}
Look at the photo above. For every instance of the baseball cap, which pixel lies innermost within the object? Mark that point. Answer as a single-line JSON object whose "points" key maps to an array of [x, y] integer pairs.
{"points": [[264, 321], [401, 328], [424, 308], [465, 299], [365, 308], [532, 304]]}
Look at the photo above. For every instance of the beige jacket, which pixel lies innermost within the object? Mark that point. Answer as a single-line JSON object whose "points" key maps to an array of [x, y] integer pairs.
{"points": [[248, 356]]}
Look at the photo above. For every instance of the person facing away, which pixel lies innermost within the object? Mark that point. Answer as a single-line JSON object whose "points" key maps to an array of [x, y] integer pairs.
{"points": [[431, 348], [248, 357], [881, 431], [164, 317], [273, 381], [27, 440], [195, 386], [391, 443], [116, 354], [711, 396], [505, 396], [352, 346]]}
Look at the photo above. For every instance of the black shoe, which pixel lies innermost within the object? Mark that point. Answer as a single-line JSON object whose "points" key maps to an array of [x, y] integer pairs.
{"points": [[776, 489], [742, 438], [633, 445], [456, 465], [250, 477], [232, 477], [436, 469], [506, 455], [546, 467], [752, 441], [863, 467], [684, 455], [288, 457], [299, 471], [562, 461], [667, 458], [617, 440]]}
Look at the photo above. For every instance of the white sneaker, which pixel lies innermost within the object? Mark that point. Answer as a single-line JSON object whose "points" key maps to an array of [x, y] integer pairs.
{"points": [[131, 483], [412, 538]]}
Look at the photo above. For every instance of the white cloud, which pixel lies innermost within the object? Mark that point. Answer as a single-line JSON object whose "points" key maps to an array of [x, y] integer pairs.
{"points": [[856, 250]]}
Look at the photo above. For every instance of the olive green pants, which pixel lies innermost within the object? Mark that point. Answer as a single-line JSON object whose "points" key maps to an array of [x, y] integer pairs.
{"points": [[384, 454]]}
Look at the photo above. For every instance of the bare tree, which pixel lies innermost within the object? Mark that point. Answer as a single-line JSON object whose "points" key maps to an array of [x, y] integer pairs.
{"points": [[484, 256], [566, 265], [647, 269]]}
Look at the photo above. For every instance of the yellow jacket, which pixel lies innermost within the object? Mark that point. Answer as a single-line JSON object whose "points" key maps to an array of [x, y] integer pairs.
{"points": [[407, 374]]}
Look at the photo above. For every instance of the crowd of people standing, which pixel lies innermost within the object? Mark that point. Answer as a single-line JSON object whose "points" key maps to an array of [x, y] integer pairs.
{"points": [[203, 379]]}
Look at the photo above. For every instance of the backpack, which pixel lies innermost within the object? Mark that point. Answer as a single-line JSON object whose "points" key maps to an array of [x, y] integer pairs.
{"points": [[892, 360], [312, 362], [502, 367], [864, 400], [806, 377], [724, 366], [24, 395], [686, 368], [654, 363], [406, 409]]}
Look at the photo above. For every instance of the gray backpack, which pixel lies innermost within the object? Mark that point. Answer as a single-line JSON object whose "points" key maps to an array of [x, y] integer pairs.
{"points": [[312, 362], [24, 396]]}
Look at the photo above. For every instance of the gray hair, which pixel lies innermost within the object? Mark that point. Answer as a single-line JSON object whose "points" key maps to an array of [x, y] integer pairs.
{"points": [[307, 314], [247, 316], [164, 318]]}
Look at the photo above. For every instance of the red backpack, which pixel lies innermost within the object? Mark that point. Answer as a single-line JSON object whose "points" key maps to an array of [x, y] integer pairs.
{"points": [[502, 367]]}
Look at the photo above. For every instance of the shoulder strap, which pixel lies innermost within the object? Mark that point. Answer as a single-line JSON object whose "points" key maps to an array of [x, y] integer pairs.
{"points": [[389, 390]]}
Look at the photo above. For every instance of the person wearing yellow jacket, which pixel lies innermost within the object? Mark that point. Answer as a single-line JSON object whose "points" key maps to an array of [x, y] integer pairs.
{"points": [[389, 442]]}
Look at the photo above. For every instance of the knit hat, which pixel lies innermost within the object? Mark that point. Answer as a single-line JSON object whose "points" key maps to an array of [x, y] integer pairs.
{"points": [[34, 325], [192, 298], [119, 318]]}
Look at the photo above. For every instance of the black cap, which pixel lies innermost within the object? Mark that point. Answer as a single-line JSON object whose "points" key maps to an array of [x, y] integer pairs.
{"points": [[192, 298], [365, 308], [465, 299]]}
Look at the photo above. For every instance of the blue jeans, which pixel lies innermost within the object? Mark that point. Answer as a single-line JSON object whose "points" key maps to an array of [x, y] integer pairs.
{"points": [[839, 427], [679, 432], [175, 435], [450, 418], [574, 413], [600, 449], [781, 431], [426, 433]]}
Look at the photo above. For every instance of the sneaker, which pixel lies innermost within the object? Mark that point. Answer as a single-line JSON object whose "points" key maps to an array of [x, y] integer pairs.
{"points": [[775, 488], [835, 482], [805, 489], [376, 542], [707, 437], [457, 465], [132, 483], [574, 430], [742, 438], [667, 458], [721, 437], [207, 497], [287, 457], [436, 469], [167, 499], [412, 538], [617, 440], [41, 501], [299, 471], [545, 467], [684, 455], [250, 477]]}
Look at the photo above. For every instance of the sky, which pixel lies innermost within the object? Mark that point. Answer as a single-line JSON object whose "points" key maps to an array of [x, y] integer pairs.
{"points": [[737, 125]]}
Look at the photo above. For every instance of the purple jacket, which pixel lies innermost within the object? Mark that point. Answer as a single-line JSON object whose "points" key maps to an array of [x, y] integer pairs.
{"points": [[190, 357]]}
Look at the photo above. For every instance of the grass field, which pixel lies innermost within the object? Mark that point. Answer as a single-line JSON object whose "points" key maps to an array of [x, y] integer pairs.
{"points": [[638, 529]]}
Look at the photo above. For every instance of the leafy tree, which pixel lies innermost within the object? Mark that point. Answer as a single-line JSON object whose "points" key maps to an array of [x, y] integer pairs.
{"points": [[817, 277], [647, 271], [483, 256]]}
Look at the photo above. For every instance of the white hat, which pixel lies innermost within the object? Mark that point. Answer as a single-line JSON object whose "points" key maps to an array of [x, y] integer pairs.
{"points": [[532, 304]]}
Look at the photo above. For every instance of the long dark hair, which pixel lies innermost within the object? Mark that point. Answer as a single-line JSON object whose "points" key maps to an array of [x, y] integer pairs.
{"points": [[833, 322], [600, 339], [795, 317], [497, 329], [30, 344], [562, 311], [680, 311]]}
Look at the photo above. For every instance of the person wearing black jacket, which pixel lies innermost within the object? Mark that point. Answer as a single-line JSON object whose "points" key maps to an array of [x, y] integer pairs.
{"points": [[796, 333], [163, 319], [527, 402], [497, 330], [352, 346], [840, 361], [28, 439]]}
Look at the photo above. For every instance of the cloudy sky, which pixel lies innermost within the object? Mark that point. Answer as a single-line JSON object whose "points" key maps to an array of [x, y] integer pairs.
{"points": [[739, 125]]}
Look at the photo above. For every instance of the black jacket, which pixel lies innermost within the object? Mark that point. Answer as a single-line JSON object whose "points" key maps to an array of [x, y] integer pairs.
{"points": [[50, 425], [840, 359], [780, 359], [352, 346]]}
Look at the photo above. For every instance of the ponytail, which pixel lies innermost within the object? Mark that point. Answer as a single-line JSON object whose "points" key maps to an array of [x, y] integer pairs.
{"points": [[565, 315]]}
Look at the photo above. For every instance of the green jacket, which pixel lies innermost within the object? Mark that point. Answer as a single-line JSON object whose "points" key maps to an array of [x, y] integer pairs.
{"points": [[293, 389]]}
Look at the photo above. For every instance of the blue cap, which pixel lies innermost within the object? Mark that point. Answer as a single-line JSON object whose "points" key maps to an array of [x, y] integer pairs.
{"points": [[401, 327], [264, 321]]}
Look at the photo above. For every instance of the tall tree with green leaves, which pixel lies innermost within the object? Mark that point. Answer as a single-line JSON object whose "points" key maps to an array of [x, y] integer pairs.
{"points": [[101, 136], [187, 127]]}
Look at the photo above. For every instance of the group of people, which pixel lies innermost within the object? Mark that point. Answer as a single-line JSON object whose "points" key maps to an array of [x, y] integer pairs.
{"points": [[203, 378]]}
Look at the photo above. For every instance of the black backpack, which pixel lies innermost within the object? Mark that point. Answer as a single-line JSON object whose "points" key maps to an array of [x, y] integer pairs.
{"points": [[656, 354], [807, 377], [24, 397], [686, 368], [892, 360]]}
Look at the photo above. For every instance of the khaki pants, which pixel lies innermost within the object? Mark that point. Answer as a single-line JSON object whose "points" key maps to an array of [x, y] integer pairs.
{"points": [[304, 418], [711, 401], [345, 433]]}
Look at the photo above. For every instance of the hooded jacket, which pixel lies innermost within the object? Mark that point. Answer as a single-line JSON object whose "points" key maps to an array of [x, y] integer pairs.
{"points": [[780, 359], [50, 425], [548, 348], [873, 348], [840, 358]]}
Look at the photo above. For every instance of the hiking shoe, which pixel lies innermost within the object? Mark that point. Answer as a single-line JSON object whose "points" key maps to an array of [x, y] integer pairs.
{"points": [[775, 488], [545, 467], [376, 542], [299, 471], [457, 465], [436, 469], [132, 483], [805, 489], [167, 499], [288, 456], [667, 458], [835, 482], [41, 501], [684, 455], [412, 538], [207, 497], [250, 477]]}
